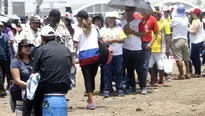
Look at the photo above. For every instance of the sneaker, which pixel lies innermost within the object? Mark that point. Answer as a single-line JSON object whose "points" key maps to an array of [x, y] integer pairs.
{"points": [[106, 94], [3, 93], [121, 93], [90, 106], [132, 91], [144, 91], [101, 94]]}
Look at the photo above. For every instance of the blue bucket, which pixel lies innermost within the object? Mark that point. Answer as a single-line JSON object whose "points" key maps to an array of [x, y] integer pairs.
{"points": [[54, 105]]}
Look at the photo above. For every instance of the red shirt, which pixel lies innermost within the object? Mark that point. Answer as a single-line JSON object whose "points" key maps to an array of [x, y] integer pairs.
{"points": [[150, 26], [141, 27]]}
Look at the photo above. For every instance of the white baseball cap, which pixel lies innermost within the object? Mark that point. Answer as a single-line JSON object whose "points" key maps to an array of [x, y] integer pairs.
{"points": [[47, 31], [165, 8], [112, 14]]}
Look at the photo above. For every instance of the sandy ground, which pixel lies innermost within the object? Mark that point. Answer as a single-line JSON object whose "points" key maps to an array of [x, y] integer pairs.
{"points": [[178, 98]]}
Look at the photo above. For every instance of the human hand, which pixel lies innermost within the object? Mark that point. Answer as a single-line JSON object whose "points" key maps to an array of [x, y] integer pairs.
{"points": [[167, 53], [149, 46]]}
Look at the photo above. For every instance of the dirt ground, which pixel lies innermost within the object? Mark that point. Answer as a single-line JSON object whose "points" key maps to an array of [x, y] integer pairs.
{"points": [[178, 98]]}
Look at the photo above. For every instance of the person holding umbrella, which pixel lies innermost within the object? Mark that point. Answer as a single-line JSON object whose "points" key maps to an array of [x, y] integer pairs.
{"points": [[132, 50], [150, 23]]}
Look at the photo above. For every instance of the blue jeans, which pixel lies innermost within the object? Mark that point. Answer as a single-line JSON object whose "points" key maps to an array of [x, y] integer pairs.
{"points": [[195, 57], [147, 55], [133, 60], [116, 66], [101, 80], [203, 53]]}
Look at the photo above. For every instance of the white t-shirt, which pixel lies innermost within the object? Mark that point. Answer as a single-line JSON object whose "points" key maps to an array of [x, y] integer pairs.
{"points": [[132, 42], [180, 27], [199, 37], [86, 43], [114, 33], [32, 36]]}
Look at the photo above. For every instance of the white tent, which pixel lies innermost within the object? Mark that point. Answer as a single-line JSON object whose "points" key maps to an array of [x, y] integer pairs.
{"points": [[168, 3]]}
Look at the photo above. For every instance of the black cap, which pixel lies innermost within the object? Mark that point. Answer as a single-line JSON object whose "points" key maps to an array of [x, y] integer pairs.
{"points": [[25, 42], [82, 14], [35, 19]]}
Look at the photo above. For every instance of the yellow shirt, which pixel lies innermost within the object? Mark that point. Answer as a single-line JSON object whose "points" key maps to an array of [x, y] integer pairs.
{"points": [[159, 44], [114, 33], [168, 20]]}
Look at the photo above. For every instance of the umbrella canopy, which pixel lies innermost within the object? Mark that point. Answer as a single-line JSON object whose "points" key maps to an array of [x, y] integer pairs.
{"points": [[140, 5]]}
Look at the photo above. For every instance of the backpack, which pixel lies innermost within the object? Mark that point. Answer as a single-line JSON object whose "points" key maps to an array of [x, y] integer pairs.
{"points": [[105, 50]]}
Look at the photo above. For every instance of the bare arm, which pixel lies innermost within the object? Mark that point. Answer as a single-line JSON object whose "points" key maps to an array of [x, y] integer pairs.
{"points": [[195, 28], [118, 40], [17, 80], [168, 38], [127, 30], [154, 38], [75, 46], [139, 34]]}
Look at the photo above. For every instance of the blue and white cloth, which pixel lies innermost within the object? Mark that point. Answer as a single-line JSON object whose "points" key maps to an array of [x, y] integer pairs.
{"points": [[32, 85]]}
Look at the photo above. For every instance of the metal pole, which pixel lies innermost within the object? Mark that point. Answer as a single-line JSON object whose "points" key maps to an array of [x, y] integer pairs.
{"points": [[6, 7], [1, 5]]}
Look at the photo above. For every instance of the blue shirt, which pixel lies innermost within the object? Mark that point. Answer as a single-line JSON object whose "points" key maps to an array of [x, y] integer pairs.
{"points": [[5, 49], [25, 70]]}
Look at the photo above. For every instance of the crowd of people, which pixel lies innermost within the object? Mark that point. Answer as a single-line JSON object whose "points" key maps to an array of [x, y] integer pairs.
{"points": [[140, 42]]}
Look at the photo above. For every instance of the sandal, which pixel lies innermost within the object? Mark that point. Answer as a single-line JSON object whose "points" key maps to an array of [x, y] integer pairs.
{"points": [[160, 84], [153, 83], [180, 77], [187, 76]]}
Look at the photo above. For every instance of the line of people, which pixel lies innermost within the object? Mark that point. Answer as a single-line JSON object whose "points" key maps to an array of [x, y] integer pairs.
{"points": [[141, 42]]}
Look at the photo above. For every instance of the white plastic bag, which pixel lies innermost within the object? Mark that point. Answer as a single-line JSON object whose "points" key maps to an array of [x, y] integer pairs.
{"points": [[72, 77], [168, 66]]}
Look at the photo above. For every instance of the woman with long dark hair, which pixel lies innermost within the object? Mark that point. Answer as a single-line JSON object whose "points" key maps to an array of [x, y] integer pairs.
{"points": [[196, 39], [21, 69], [86, 41]]}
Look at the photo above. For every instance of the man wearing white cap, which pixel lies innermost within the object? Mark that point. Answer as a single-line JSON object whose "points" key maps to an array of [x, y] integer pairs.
{"points": [[33, 33], [53, 62], [167, 14]]}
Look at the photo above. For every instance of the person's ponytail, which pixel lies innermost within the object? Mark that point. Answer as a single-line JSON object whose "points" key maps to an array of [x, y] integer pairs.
{"points": [[86, 25]]}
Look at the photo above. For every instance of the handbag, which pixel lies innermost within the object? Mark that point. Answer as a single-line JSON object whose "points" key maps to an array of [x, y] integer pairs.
{"points": [[105, 50]]}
